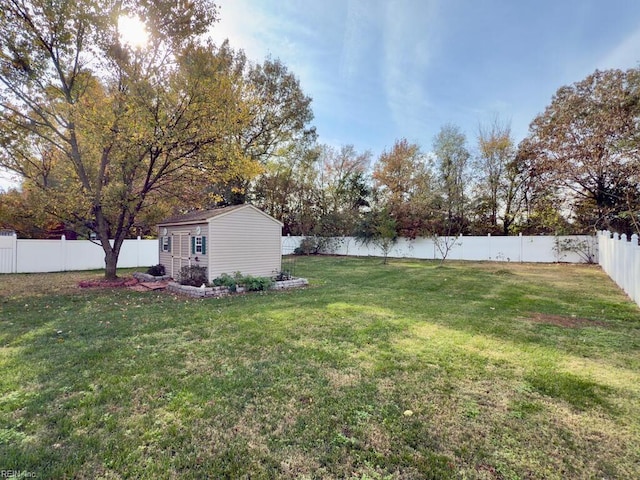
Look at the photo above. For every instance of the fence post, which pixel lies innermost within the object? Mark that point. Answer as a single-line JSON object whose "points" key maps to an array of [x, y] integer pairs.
{"points": [[15, 252], [63, 249], [601, 250], [622, 274], [619, 261], [606, 247], [634, 268], [521, 247]]}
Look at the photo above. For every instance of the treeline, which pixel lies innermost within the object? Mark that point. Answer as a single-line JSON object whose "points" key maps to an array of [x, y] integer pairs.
{"points": [[577, 171]]}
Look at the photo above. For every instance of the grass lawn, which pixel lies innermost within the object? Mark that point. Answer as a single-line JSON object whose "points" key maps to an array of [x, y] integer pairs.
{"points": [[409, 370]]}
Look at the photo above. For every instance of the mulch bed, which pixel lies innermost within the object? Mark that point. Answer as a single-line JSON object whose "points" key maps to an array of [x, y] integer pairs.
{"points": [[562, 321], [103, 283], [124, 282]]}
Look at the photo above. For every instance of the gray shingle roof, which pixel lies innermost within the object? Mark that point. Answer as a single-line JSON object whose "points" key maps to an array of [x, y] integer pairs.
{"points": [[199, 215]]}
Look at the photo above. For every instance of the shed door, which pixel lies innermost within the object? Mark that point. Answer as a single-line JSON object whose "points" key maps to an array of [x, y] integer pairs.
{"points": [[179, 252]]}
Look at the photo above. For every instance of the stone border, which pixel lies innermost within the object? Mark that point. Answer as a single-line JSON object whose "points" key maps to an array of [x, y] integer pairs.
{"points": [[293, 283], [145, 277], [215, 292]]}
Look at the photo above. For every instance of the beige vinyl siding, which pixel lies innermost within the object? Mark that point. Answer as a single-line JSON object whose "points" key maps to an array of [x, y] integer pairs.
{"points": [[180, 254], [245, 240], [165, 258]]}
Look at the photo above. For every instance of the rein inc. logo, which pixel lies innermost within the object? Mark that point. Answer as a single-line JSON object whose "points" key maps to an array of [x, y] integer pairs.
{"points": [[17, 474]]}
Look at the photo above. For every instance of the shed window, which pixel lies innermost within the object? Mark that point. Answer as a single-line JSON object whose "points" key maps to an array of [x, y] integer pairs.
{"points": [[166, 244], [199, 245]]}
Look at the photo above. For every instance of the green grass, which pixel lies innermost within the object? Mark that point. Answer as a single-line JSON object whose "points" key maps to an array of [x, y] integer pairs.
{"points": [[409, 370]]}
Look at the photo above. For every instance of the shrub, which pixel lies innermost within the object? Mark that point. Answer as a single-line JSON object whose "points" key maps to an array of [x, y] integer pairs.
{"points": [[586, 249], [156, 270], [221, 281], [229, 281], [193, 275], [256, 284], [308, 246], [315, 245], [282, 275], [251, 284]]}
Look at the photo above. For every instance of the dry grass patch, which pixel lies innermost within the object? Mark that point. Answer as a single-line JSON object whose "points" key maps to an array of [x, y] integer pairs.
{"points": [[341, 379], [42, 284], [564, 321]]}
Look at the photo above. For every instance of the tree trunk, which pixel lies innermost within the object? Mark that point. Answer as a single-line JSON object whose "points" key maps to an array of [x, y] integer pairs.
{"points": [[110, 263], [111, 254]]}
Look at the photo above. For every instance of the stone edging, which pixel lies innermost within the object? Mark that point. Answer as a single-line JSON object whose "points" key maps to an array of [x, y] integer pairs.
{"points": [[201, 292], [145, 277], [293, 283]]}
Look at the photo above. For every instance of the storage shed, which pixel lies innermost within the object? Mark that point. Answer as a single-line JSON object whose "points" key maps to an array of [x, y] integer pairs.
{"points": [[240, 238]]}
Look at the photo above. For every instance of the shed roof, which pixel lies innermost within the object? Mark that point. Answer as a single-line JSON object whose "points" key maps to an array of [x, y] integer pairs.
{"points": [[201, 216]]}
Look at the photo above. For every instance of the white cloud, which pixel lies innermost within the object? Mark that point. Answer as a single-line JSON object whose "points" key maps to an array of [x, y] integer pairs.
{"points": [[264, 30], [625, 54], [360, 30], [245, 26], [408, 46]]}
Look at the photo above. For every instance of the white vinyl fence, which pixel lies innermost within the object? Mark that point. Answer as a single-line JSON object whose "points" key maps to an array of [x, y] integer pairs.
{"points": [[618, 256], [620, 259], [30, 256], [21, 256], [8, 242], [537, 249]]}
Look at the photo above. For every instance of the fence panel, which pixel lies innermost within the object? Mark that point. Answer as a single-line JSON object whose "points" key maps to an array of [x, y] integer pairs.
{"points": [[63, 255], [40, 256], [8, 252], [541, 249], [620, 259]]}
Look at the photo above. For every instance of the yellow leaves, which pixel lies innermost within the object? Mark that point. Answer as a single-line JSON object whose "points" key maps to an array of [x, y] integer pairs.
{"points": [[400, 170]]}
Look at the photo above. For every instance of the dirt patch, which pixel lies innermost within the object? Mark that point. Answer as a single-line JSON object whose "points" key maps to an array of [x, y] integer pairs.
{"points": [[562, 321], [149, 286], [102, 283]]}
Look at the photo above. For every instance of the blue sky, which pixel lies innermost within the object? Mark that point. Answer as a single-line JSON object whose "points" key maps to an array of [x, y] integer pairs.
{"points": [[381, 70]]}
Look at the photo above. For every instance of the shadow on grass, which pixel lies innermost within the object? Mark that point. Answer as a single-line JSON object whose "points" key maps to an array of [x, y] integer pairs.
{"points": [[580, 393]]}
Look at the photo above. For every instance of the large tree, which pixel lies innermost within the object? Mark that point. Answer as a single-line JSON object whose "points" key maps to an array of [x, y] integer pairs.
{"points": [[404, 182], [315, 189], [585, 143], [288, 187], [343, 189], [19, 213], [499, 192], [278, 115], [101, 127], [452, 159]]}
